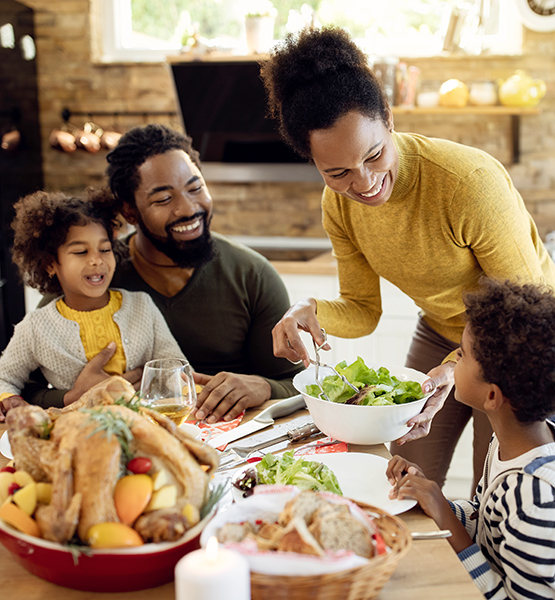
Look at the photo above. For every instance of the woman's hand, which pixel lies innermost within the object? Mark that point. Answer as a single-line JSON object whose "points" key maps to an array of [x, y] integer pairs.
{"points": [[442, 379], [287, 341]]}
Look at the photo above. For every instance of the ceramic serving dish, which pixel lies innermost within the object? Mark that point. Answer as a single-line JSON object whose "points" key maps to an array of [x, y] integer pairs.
{"points": [[117, 570]]}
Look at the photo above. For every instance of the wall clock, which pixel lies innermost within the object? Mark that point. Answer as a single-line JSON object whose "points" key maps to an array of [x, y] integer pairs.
{"points": [[537, 15]]}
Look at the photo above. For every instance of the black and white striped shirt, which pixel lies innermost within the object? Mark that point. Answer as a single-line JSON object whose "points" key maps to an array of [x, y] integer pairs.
{"points": [[512, 522]]}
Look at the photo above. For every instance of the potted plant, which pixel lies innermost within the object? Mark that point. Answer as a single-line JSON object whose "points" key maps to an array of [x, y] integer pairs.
{"points": [[259, 26]]}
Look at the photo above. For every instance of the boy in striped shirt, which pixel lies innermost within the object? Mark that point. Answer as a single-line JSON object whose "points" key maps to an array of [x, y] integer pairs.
{"points": [[505, 536]]}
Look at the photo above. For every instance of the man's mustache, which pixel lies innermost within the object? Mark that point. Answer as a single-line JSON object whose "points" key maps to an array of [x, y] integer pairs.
{"points": [[197, 215]]}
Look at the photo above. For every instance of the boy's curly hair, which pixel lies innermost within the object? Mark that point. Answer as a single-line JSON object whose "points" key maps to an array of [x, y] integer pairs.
{"points": [[41, 224], [134, 148], [315, 77], [513, 327]]}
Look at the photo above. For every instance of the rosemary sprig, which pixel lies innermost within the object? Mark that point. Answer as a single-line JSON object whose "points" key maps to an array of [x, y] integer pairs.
{"points": [[134, 403], [110, 423], [76, 548], [46, 430], [213, 498]]}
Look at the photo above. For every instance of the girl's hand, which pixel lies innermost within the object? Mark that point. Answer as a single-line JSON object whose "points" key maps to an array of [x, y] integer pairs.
{"points": [[287, 341], [8, 403], [442, 378]]}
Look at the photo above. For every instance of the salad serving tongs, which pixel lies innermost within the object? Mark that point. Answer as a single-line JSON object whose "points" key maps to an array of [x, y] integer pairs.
{"points": [[319, 364]]}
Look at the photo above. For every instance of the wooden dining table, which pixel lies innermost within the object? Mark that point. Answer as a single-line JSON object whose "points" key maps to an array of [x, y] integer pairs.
{"points": [[430, 570]]}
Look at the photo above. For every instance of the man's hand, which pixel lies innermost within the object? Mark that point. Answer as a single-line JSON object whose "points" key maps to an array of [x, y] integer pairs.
{"points": [[9, 403], [94, 373], [228, 395], [442, 378]]}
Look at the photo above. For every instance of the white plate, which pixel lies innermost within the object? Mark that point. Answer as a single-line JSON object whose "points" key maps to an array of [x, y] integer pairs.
{"points": [[361, 477], [5, 448]]}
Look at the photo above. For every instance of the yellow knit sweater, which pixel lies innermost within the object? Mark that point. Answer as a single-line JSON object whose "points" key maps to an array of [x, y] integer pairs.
{"points": [[97, 329], [454, 215]]}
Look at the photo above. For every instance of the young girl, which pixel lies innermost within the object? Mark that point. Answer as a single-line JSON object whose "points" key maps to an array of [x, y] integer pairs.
{"points": [[65, 246]]}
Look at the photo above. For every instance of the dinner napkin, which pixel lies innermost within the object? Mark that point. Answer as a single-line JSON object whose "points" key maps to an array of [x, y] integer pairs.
{"points": [[217, 428], [325, 445]]}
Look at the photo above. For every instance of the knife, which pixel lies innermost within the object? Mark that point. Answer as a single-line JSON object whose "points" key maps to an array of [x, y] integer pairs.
{"points": [[238, 455], [264, 419]]}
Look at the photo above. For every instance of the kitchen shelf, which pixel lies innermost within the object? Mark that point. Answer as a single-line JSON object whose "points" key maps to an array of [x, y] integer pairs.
{"points": [[256, 95], [514, 112]]}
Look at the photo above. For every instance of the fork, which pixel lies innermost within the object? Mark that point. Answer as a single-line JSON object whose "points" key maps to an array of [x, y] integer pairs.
{"points": [[318, 364]]}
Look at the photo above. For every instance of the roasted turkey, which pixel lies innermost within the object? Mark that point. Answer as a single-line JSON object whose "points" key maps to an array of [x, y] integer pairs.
{"points": [[75, 450]]}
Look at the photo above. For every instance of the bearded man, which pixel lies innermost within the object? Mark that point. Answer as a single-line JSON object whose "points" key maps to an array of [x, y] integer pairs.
{"points": [[219, 298]]}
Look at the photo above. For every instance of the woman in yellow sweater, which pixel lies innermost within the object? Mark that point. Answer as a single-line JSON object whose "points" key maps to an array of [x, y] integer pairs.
{"points": [[66, 246], [429, 215]]}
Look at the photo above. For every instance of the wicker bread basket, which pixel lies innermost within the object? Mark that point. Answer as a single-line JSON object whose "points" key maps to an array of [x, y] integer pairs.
{"points": [[362, 583]]}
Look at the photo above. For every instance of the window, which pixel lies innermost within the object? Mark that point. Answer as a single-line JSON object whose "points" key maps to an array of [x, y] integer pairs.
{"points": [[146, 30]]}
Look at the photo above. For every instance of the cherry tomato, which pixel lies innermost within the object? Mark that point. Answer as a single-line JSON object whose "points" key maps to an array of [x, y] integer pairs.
{"points": [[139, 465], [13, 487], [7, 470]]}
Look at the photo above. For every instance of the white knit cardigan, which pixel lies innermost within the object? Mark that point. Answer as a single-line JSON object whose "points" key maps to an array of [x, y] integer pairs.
{"points": [[47, 340]]}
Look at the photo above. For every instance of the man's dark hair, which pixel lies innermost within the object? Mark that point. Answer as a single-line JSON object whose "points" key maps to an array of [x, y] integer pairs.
{"points": [[513, 327], [137, 146], [315, 77]]}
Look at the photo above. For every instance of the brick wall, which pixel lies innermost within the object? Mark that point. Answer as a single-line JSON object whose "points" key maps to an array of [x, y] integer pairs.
{"points": [[68, 77]]}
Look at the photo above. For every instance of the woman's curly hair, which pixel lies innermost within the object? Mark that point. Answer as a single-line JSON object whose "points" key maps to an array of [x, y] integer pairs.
{"points": [[315, 77], [134, 148], [41, 224], [513, 327]]}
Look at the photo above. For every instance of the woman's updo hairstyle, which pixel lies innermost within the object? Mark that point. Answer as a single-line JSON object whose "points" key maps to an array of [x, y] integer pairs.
{"points": [[315, 77]]}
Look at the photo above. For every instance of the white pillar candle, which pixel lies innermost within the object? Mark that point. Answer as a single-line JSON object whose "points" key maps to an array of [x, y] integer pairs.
{"points": [[213, 573]]}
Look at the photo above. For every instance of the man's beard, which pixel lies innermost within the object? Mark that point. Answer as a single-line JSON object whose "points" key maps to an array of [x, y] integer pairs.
{"points": [[190, 254]]}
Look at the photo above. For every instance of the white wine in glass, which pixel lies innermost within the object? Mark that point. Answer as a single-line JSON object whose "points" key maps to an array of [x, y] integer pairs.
{"points": [[168, 387]]}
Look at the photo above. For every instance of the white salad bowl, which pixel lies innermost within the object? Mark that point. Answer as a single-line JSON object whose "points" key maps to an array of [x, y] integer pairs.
{"points": [[362, 425]]}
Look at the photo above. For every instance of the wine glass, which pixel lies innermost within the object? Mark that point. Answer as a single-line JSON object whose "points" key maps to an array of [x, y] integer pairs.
{"points": [[168, 387]]}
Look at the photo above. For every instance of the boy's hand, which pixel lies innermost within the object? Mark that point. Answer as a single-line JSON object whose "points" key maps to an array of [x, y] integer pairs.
{"points": [[9, 403], [415, 486], [409, 482], [398, 467]]}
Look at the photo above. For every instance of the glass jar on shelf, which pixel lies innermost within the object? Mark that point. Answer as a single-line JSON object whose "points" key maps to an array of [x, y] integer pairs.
{"points": [[483, 93], [385, 68], [428, 94]]}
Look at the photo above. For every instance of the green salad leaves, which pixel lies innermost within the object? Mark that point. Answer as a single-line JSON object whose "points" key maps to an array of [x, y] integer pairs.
{"points": [[288, 470], [377, 387]]}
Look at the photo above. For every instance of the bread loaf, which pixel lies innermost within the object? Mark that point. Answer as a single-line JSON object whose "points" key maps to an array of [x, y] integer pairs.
{"points": [[342, 533], [297, 538]]}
